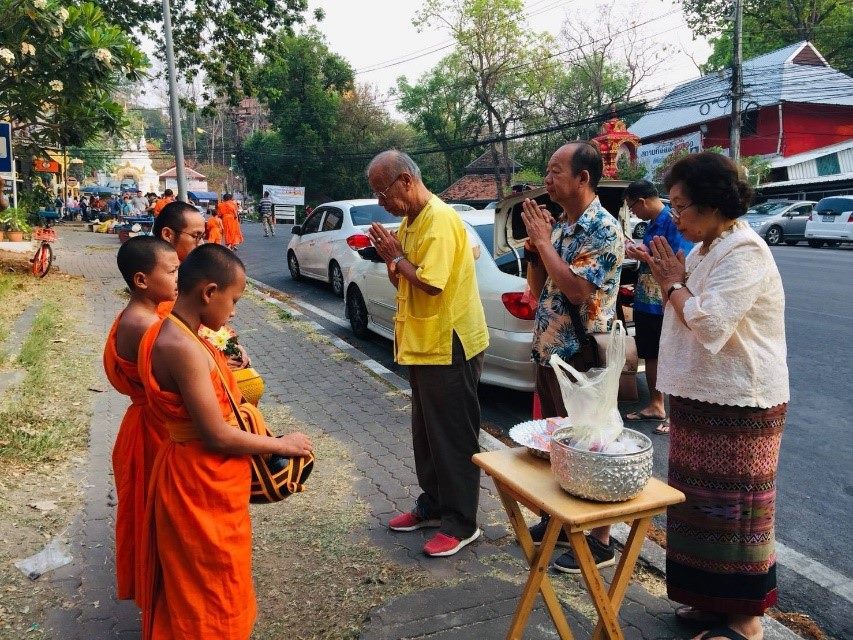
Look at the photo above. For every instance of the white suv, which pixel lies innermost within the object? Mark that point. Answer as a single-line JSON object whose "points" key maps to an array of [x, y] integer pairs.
{"points": [[831, 223]]}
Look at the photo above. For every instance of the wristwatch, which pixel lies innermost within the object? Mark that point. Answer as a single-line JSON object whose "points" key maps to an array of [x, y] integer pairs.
{"points": [[675, 287], [397, 259]]}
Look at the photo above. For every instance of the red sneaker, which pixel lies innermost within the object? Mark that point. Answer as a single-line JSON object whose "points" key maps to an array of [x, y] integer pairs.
{"points": [[411, 521], [444, 545]]}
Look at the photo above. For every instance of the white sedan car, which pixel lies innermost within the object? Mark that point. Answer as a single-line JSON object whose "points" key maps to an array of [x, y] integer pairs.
{"points": [[371, 303], [319, 247]]}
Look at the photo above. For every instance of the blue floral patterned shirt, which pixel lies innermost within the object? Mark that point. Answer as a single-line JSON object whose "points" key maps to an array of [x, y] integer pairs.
{"points": [[648, 297], [594, 249]]}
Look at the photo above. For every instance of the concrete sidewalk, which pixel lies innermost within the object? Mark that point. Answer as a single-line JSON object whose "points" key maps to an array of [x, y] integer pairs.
{"points": [[349, 402]]}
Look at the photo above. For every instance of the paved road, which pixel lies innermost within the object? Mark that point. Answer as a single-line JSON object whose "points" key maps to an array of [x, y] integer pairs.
{"points": [[815, 485]]}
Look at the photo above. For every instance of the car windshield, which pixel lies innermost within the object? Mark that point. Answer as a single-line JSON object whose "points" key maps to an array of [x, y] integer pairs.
{"points": [[368, 213], [767, 209], [491, 205]]}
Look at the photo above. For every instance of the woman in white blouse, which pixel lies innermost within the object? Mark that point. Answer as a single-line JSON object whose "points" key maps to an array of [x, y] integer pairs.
{"points": [[723, 362]]}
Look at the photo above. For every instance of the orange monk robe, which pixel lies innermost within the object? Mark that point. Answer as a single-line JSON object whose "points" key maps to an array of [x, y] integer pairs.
{"points": [[227, 211], [212, 232], [197, 527], [137, 442], [160, 203]]}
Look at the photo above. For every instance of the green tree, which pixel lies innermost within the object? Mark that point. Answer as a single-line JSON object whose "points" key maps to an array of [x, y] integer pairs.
{"points": [[772, 24], [60, 68], [214, 39], [302, 82], [506, 61], [443, 109]]}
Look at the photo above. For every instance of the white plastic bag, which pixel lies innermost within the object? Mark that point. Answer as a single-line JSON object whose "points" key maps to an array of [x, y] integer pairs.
{"points": [[53, 556], [591, 402]]}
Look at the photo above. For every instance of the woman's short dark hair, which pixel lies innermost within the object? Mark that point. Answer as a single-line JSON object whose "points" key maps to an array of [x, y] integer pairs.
{"points": [[712, 180]]}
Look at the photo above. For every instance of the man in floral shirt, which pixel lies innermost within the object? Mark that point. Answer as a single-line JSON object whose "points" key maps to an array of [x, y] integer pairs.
{"points": [[577, 262]]}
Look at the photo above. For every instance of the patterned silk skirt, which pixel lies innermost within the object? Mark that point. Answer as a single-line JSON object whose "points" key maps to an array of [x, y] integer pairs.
{"points": [[720, 553]]}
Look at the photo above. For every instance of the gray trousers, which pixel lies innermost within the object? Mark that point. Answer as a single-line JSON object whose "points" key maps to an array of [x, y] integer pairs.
{"points": [[445, 432]]}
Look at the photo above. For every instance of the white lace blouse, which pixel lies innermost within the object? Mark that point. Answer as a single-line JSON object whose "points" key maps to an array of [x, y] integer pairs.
{"points": [[730, 349]]}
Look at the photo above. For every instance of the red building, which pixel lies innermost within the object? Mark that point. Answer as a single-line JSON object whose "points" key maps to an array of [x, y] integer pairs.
{"points": [[794, 104]]}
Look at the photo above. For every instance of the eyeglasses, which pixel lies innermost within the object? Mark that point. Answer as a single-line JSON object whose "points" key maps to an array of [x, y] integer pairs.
{"points": [[676, 212], [630, 205], [381, 195], [198, 237]]}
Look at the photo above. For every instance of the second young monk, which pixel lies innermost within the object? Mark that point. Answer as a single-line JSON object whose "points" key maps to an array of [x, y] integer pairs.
{"points": [[150, 269], [198, 528]]}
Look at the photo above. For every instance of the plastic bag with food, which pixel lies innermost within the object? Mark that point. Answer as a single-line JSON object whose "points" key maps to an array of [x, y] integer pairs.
{"points": [[591, 397]]}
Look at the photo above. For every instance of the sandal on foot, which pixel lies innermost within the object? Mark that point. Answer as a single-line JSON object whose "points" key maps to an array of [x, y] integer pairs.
{"points": [[723, 632], [662, 428], [639, 416], [697, 616]]}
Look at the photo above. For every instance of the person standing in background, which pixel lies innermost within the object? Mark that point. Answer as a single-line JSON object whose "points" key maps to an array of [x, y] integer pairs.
{"points": [[265, 208], [641, 198], [227, 212]]}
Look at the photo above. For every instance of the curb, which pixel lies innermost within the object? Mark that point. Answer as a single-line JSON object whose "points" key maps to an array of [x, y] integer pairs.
{"points": [[652, 554]]}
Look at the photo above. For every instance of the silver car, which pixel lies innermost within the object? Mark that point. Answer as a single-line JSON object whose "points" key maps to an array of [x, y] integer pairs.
{"points": [[371, 304], [780, 221]]}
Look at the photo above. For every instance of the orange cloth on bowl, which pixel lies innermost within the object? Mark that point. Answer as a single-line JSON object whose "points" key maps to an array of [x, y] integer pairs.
{"points": [[228, 212], [198, 534], [137, 442]]}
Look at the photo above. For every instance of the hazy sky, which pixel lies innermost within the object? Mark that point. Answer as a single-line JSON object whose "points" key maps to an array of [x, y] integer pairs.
{"points": [[379, 33]]}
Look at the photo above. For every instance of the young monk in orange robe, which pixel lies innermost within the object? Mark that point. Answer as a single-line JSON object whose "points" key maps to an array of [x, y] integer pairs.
{"points": [[150, 268], [213, 230], [227, 211], [197, 526]]}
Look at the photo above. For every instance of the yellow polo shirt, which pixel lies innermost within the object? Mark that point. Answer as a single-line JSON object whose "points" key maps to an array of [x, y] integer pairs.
{"points": [[437, 243]]}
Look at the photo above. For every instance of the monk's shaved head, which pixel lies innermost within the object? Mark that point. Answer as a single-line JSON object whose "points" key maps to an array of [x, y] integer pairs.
{"points": [[209, 263], [139, 255], [174, 216]]}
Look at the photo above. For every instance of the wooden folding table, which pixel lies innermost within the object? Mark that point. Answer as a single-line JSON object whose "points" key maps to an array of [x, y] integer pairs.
{"points": [[523, 479]]}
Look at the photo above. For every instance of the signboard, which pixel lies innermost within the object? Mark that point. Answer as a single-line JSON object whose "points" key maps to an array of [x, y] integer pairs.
{"points": [[652, 154], [5, 147], [286, 195], [45, 166], [71, 181], [284, 212]]}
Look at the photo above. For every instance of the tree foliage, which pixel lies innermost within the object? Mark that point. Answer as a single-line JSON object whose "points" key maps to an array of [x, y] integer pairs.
{"points": [[772, 24], [442, 106], [214, 39], [60, 67], [324, 125], [507, 62]]}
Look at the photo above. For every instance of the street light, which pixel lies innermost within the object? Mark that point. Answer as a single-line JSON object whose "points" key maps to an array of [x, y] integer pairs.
{"points": [[177, 141]]}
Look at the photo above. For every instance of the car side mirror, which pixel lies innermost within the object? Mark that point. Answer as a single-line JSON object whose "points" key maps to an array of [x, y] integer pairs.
{"points": [[296, 230], [370, 253]]}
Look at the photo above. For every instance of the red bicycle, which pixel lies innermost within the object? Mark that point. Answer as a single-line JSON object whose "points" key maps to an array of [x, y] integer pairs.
{"points": [[43, 257]]}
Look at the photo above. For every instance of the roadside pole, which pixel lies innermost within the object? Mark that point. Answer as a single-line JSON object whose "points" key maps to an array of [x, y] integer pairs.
{"points": [[737, 84], [174, 105]]}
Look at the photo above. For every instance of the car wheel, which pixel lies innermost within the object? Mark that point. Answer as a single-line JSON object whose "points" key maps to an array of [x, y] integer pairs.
{"points": [[336, 279], [791, 243], [357, 312], [293, 265], [640, 230], [816, 244], [773, 236], [833, 243]]}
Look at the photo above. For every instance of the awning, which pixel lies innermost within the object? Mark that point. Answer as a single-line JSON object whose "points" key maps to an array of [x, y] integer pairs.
{"points": [[99, 190], [210, 196]]}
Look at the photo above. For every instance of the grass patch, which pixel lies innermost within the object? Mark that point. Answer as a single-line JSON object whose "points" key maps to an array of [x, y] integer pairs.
{"points": [[44, 418], [283, 314], [301, 543]]}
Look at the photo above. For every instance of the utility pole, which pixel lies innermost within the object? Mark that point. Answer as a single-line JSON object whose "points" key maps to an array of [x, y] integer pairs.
{"points": [[174, 105], [737, 83]]}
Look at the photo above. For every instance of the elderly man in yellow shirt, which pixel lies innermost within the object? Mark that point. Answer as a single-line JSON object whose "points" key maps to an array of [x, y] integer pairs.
{"points": [[440, 333]]}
